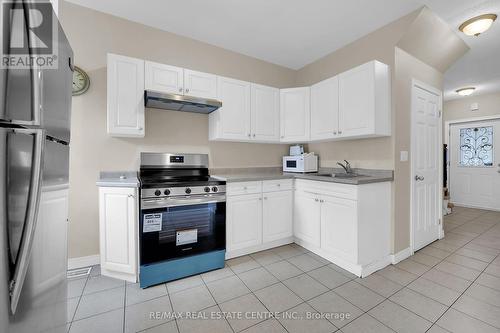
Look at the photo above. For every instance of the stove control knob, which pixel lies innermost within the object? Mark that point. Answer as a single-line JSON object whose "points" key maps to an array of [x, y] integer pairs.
{"points": [[167, 192], [157, 193], [215, 189], [188, 190]]}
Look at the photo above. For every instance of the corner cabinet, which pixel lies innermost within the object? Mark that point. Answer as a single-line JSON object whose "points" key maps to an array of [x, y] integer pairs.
{"points": [[125, 96], [295, 114], [259, 216], [118, 232]]}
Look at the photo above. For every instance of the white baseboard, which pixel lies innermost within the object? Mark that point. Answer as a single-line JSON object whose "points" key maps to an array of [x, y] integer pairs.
{"points": [[476, 207], [84, 261], [401, 255]]}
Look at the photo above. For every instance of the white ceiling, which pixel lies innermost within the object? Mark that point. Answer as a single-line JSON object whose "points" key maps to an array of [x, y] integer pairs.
{"points": [[294, 33]]}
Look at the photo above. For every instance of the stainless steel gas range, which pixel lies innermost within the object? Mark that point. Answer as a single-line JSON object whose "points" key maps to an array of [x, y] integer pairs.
{"points": [[182, 228]]}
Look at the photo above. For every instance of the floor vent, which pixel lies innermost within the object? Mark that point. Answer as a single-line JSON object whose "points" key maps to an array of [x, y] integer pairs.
{"points": [[78, 272]]}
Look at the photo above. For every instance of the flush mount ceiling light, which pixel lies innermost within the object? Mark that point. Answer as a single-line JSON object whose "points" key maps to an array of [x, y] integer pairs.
{"points": [[465, 91], [477, 25]]}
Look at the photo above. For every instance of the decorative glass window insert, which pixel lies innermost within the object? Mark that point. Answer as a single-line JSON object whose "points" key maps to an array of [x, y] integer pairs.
{"points": [[476, 146]]}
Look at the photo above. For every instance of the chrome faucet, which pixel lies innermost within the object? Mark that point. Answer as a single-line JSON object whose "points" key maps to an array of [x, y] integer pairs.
{"points": [[346, 166]]}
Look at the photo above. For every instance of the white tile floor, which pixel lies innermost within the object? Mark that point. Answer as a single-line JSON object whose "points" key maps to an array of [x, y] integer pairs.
{"points": [[452, 285]]}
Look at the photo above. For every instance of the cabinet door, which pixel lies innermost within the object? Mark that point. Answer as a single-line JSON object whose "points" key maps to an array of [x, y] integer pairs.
{"points": [[339, 227], [295, 114], [277, 220], [200, 84], [265, 113], [125, 96], [244, 221], [357, 101], [164, 78], [234, 115], [118, 229], [325, 109], [306, 217]]}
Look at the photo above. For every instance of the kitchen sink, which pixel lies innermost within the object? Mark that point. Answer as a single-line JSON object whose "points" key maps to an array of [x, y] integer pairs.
{"points": [[340, 175]]}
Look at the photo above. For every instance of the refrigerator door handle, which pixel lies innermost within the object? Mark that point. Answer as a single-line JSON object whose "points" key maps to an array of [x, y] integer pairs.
{"points": [[36, 96], [24, 253]]}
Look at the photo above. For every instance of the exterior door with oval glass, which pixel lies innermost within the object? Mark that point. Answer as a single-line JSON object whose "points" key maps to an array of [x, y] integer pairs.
{"points": [[475, 164], [426, 140]]}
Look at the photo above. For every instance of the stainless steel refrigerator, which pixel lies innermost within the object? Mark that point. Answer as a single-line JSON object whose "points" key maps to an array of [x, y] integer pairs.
{"points": [[35, 108]]}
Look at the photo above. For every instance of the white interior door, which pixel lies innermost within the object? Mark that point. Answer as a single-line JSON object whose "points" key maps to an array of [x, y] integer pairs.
{"points": [[426, 122], [475, 164]]}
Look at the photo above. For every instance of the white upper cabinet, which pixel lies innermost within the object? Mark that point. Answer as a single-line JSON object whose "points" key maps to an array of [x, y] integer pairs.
{"points": [[177, 80], [125, 89], [265, 113], [364, 101], [325, 109], [232, 120], [200, 84], [164, 78], [295, 114]]}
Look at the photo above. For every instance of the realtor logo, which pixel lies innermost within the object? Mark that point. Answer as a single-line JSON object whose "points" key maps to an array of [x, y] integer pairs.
{"points": [[29, 35]]}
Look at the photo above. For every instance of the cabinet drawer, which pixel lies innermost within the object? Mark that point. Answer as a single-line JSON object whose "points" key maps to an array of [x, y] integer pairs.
{"points": [[345, 191], [243, 188], [277, 185]]}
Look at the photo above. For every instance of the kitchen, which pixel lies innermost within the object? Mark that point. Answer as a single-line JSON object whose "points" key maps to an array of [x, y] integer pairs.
{"points": [[287, 239]]}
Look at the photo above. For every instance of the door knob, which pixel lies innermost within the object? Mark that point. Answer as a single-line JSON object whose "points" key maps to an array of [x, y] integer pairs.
{"points": [[419, 178]]}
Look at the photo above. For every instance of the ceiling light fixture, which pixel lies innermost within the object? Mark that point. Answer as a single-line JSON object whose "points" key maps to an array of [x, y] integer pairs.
{"points": [[477, 25], [465, 91]]}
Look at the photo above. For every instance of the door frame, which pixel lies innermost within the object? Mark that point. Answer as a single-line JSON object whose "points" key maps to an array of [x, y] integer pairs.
{"points": [[447, 133], [422, 85]]}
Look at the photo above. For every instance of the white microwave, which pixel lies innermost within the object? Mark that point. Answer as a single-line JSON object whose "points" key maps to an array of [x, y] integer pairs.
{"points": [[300, 163]]}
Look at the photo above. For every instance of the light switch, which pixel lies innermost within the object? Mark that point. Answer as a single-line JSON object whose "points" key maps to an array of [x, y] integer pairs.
{"points": [[403, 156]]}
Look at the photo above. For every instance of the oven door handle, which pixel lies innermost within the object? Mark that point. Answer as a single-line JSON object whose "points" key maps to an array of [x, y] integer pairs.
{"points": [[183, 201]]}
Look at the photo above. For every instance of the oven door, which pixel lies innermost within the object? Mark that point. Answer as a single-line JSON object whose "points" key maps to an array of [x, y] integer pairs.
{"points": [[178, 227]]}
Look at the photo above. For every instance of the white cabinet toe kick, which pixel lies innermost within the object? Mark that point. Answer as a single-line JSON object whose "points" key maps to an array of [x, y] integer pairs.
{"points": [[342, 223]]}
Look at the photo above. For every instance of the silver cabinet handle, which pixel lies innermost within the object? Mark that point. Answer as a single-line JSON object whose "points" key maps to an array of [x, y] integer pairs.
{"points": [[282, 136], [254, 135], [334, 132], [316, 200], [140, 128], [244, 187], [131, 196], [260, 199], [322, 200], [187, 90], [278, 185], [28, 232], [265, 198], [340, 132], [249, 135], [419, 178], [180, 89]]}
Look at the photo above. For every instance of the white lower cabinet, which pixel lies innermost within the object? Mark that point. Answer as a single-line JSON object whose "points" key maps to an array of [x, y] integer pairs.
{"points": [[243, 221], [307, 217], [277, 216], [258, 216], [339, 227], [344, 223], [118, 232]]}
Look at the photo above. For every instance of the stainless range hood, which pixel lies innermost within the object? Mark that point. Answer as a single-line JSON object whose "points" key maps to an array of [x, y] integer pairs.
{"points": [[174, 102]]}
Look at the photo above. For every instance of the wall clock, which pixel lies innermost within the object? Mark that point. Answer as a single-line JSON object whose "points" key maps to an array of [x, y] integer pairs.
{"points": [[81, 81]]}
